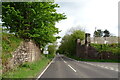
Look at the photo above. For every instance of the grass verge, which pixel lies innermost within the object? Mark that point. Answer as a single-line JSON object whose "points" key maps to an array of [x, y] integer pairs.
{"points": [[93, 60], [28, 70]]}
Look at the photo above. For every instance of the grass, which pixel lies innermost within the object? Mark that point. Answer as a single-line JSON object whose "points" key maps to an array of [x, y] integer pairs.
{"points": [[9, 43], [29, 70], [93, 60]]}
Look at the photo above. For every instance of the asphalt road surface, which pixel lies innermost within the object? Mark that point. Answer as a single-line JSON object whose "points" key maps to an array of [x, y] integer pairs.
{"points": [[64, 67]]}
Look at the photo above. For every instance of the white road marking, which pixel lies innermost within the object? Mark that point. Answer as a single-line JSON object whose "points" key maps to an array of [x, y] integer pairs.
{"points": [[69, 66], [72, 68], [110, 68], [45, 70], [65, 62], [91, 64], [106, 67], [62, 58], [98, 65], [116, 69], [102, 66]]}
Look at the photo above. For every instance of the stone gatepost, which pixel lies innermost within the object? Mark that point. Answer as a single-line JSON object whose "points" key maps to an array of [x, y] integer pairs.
{"points": [[78, 44], [87, 39], [87, 44]]}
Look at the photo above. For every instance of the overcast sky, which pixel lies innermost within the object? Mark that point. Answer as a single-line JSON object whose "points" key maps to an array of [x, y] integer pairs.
{"points": [[102, 14]]}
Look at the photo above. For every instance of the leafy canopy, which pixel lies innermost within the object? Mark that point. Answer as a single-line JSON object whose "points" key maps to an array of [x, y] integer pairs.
{"points": [[32, 20], [68, 43]]}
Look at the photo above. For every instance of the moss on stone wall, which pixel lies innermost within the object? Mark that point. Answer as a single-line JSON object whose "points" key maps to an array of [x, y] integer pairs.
{"points": [[9, 43]]}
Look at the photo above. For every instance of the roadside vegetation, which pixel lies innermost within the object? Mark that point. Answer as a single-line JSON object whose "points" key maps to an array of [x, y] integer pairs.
{"points": [[68, 43], [9, 43], [113, 48], [32, 21], [29, 21], [92, 60], [68, 47], [52, 48], [29, 70]]}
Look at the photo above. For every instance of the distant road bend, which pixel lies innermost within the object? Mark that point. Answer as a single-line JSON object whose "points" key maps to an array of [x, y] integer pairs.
{"points": [[64, 67]]}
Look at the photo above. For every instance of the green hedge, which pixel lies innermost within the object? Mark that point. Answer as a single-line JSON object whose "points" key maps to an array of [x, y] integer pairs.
{"points": [[114, 48]]}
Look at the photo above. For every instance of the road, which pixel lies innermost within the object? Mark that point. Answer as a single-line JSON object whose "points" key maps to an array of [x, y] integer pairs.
{"points": [[64, 67]]}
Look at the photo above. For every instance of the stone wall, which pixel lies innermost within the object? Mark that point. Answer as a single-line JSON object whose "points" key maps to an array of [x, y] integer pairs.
{"points": [[104, 40], [85, 51], [26, 52]]}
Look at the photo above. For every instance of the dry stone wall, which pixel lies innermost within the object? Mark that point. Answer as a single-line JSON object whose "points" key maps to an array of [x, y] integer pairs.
{"points": [[104, 40], [85, 51], [26, 52]]}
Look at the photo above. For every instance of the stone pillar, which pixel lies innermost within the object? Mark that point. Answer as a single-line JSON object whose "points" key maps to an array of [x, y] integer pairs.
{"points": [[87, 39], [78, 44], [87, 44]]}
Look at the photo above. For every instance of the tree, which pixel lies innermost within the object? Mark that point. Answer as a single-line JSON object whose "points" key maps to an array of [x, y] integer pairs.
{"points": [[98, 33], [52, 49], [68, 43], [32, 20], [106, 33]]}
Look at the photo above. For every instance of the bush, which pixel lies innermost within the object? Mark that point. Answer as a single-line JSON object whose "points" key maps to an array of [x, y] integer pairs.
{"points": [[114, 48]]}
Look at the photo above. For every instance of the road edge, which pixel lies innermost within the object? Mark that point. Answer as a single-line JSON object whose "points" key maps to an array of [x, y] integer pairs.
{"points": [[45, 69]]}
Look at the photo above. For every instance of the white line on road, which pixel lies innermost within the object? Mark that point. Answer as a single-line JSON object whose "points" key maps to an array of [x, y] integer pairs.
{"points": [[116, 70], [102, 66], [62, 59], [106, 67], [72, 68], [98, 65], [44, 70], [110, 68], [65, 62], [69, 66]]}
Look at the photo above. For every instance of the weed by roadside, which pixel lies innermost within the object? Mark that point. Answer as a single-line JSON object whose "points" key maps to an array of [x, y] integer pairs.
{"points": [[28, 70]]}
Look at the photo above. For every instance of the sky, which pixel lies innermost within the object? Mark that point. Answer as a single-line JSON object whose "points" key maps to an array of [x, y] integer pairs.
{"points": [[88, 14]]}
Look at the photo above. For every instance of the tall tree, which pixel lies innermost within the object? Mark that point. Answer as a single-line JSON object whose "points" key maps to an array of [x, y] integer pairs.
{"points": [[106, 33], [32, 20], [52, 49], [68, 43], [98, 33]]}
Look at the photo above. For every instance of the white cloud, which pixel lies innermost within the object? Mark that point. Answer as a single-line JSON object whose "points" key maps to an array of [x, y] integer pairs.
{"points": [[102, 14]]}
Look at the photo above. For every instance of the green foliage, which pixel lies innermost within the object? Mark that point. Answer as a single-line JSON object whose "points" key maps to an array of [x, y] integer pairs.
{"points": [[68, 43], [98, 33], [114, 48], [93, 60], [28, 70], [9, 43], [106, 33], [32, 20], [52, 49]]}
